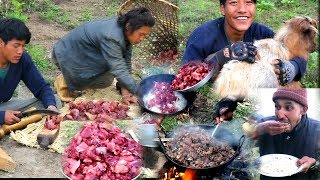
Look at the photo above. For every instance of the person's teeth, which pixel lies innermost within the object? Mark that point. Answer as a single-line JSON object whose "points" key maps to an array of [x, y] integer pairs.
{"points": [[242, 18]]}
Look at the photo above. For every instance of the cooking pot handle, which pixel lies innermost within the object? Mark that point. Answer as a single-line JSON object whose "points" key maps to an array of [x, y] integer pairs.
{"points": [[241, 141]]}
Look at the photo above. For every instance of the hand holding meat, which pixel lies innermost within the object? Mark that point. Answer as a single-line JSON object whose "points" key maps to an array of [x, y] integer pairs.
{"points": [[52, 122], [127, 97], [53, 108]]}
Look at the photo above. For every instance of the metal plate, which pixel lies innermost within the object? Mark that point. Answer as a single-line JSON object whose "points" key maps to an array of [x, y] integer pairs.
{"points": [[203, 81], [277, 165]]}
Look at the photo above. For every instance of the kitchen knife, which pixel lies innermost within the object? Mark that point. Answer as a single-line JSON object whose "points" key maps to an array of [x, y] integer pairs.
{"points": [[37, 111]]}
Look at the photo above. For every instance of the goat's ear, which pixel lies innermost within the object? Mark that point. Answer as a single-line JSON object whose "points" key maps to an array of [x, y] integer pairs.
{"points": [[305, 26]]}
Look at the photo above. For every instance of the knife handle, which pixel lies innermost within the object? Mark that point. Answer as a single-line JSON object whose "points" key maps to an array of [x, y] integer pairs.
{"points": [[20, 115], [5, 129]]}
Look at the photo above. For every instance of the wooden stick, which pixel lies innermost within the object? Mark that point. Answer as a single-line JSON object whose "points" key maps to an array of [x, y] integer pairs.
{"points": [[133, 135]]}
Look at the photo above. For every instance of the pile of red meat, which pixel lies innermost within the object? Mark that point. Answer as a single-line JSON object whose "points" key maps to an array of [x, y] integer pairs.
{"points": [[52, 122], [166, 57], [102, 109], [102, 151], [189, 75], [164, 98]]}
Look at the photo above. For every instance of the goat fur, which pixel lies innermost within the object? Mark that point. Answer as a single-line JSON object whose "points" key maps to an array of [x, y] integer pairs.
{"points": [[297, 38]]}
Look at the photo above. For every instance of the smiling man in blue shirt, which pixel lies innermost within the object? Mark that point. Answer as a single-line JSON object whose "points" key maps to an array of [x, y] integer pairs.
{"points": [[223, 38]]}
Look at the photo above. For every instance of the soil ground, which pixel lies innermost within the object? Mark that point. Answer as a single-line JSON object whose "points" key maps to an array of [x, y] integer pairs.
{"points": [[39, 163], [32, 162]]}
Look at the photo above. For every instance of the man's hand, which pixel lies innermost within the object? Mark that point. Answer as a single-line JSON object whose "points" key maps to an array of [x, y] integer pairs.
{"points": [[307, 162], [10, 118], [52, 108], [224, 109], [284, 70], [127, 97], [241, 51], [272, 128]]}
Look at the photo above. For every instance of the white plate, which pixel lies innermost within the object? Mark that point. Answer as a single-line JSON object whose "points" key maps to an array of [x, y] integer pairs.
{"points": [[277, 165]]}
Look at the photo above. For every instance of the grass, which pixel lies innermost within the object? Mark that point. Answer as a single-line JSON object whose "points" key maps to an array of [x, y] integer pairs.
{"points": [[192, 13], [49, 11], [38, 53], [311, 78], [169, 123]]}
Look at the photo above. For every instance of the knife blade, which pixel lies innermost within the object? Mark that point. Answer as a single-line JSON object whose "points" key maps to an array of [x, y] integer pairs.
{"points": [[37, 111]]}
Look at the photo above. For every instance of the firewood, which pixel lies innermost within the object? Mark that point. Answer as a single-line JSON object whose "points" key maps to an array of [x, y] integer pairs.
{"points": [[6, 162]]}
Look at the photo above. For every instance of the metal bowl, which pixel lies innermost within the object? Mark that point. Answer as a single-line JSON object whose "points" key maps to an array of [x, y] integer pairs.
{"points": [[146, 86], [203, 81]]}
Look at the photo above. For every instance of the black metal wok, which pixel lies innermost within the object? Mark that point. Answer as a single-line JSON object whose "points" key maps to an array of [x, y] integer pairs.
{"points": [[221, 134], [146, 85]]}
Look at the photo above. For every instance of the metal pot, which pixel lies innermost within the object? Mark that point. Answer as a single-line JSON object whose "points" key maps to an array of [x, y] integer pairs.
{"points": [[146, 85], [221, 134]]}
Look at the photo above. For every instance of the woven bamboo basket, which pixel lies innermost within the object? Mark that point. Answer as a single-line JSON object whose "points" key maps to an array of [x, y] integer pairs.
{"points": [[161, 45]]}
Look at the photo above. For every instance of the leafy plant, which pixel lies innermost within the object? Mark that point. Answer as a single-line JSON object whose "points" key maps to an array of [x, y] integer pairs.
{"points": [[311, 78], [38, 53], [169, 123], [265, 5], [206, 90], [51, 12], [13, 9]]}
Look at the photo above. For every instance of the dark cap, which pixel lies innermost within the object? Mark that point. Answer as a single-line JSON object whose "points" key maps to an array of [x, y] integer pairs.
{"points": [[297, 95]]}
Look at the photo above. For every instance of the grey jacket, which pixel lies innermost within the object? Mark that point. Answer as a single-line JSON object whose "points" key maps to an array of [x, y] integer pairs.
{"points": [[91, 50]]}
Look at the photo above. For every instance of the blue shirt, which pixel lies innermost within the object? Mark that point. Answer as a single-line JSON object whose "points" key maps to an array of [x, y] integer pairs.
{"points": [[210, 37], [26, 71]]}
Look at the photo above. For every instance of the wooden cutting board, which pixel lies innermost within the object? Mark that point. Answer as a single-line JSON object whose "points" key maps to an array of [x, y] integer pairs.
{"points": [[47, 137], [6, 162]]}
